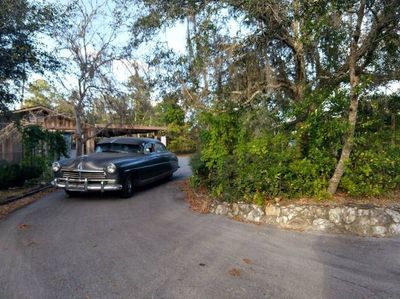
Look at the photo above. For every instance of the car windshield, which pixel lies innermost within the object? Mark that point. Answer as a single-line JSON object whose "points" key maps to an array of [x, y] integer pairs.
{"points": [[118, 148]]}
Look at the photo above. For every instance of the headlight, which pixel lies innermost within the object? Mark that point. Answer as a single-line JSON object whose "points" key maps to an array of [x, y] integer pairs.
{"points": [[56, 167], [111, 168]]}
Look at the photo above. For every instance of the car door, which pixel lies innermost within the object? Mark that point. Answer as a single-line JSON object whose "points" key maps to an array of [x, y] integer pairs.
{"points": [[163, 155], [151, 168]]}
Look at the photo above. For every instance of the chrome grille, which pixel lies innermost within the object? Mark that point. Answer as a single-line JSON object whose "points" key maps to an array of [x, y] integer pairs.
{"points": [[92, 175]]}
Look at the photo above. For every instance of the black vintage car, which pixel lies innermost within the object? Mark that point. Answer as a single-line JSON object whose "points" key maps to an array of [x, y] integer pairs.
{"points": [[119, 164]]}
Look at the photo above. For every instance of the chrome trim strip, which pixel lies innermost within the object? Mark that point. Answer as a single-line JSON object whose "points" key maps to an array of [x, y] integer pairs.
{"points": [[89, 187], [90, 181], [83, 170]]}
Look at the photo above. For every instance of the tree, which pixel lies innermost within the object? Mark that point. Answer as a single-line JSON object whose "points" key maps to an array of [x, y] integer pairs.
{"points": [[41, 93], [90, 43], [140, 96], [296, 61], [383, 20], [20, 51], [171, 114]]}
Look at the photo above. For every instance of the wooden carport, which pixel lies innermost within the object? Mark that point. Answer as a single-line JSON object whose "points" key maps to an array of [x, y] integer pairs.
{"points": [[10, 143]]}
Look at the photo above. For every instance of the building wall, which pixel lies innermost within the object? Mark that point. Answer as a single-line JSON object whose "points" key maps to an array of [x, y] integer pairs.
{"points": [[11, 148]]}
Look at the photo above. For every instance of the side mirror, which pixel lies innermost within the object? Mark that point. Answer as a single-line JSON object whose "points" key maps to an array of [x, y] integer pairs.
{"points": [[147, 150]]}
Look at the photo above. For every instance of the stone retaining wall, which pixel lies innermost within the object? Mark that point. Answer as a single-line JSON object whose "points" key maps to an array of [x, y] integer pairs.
{"points": [[358, 220]]}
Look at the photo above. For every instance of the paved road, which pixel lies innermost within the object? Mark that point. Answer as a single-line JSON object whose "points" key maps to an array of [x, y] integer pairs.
{"points": [[152, 246]]}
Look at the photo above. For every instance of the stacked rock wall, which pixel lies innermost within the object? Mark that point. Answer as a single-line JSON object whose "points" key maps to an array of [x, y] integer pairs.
{"points": [[358, 220]]}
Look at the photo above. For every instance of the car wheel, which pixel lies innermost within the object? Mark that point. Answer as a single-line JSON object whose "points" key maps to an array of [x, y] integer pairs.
{"points": [[71, 193], [127, 187]]}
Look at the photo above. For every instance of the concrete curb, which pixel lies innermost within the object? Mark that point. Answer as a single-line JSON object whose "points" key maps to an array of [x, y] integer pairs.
{"points": [[29, 193]]}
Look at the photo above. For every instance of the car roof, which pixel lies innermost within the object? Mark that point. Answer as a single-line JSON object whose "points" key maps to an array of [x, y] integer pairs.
{"points": [[128, 140]]}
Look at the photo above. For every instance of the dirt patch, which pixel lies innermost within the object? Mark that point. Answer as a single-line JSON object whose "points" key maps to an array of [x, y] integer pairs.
{"points": [[247, 261], [198, 200], [23, 226], [11, 207], [234, 272], [343, 199]]}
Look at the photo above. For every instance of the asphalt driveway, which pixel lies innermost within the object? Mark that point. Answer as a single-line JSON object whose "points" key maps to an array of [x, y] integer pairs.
{"points": [[153, 246]]}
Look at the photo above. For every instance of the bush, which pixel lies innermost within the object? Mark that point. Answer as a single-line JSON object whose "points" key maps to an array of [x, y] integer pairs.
{"points": [[239, 159], [14, 175], [11, 176], [42, 144], [372, 172], [32, 171], [41, 147]]}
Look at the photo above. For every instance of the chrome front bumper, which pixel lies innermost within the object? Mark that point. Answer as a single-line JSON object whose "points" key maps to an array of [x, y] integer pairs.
{"points": [[84, 185]]}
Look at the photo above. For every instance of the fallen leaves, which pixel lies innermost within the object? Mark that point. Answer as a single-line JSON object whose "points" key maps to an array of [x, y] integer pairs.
{"points": [[23, 226], [247, 261], [11, 207], [234, 272], [198, 200]]}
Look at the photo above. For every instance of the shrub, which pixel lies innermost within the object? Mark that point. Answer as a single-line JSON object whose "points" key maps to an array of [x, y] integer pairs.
{"points": [[15, 175], [239, 159], [372, 172]]}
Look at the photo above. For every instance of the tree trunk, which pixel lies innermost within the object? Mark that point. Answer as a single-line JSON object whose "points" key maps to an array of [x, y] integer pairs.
{"points": [[78, 132], [393, 128], [348, 144], [299, 54], [352, 119]]}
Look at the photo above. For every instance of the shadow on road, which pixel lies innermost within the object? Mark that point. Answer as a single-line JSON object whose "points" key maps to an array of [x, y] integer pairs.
{"points": [[357, 267]]}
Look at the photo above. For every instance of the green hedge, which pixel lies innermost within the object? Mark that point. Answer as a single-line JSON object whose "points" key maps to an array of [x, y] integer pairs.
{"points": [[41, 148], [15, 175], [239, 159]]}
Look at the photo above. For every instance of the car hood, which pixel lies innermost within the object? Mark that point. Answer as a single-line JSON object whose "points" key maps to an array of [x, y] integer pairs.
{"points": [[97, 161]]}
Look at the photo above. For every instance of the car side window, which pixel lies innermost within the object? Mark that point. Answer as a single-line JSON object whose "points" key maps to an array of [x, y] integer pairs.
{"points": [[149, 148], [160, 148]]}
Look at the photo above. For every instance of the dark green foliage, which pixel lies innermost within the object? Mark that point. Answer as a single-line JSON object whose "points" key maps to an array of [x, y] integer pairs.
{"points": [[292, 122], [171, 114], [375, 165], [14, 175], [373, 171], [41, 147], [180, 139], [239, 160], [31, 171], [20, 52]]}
